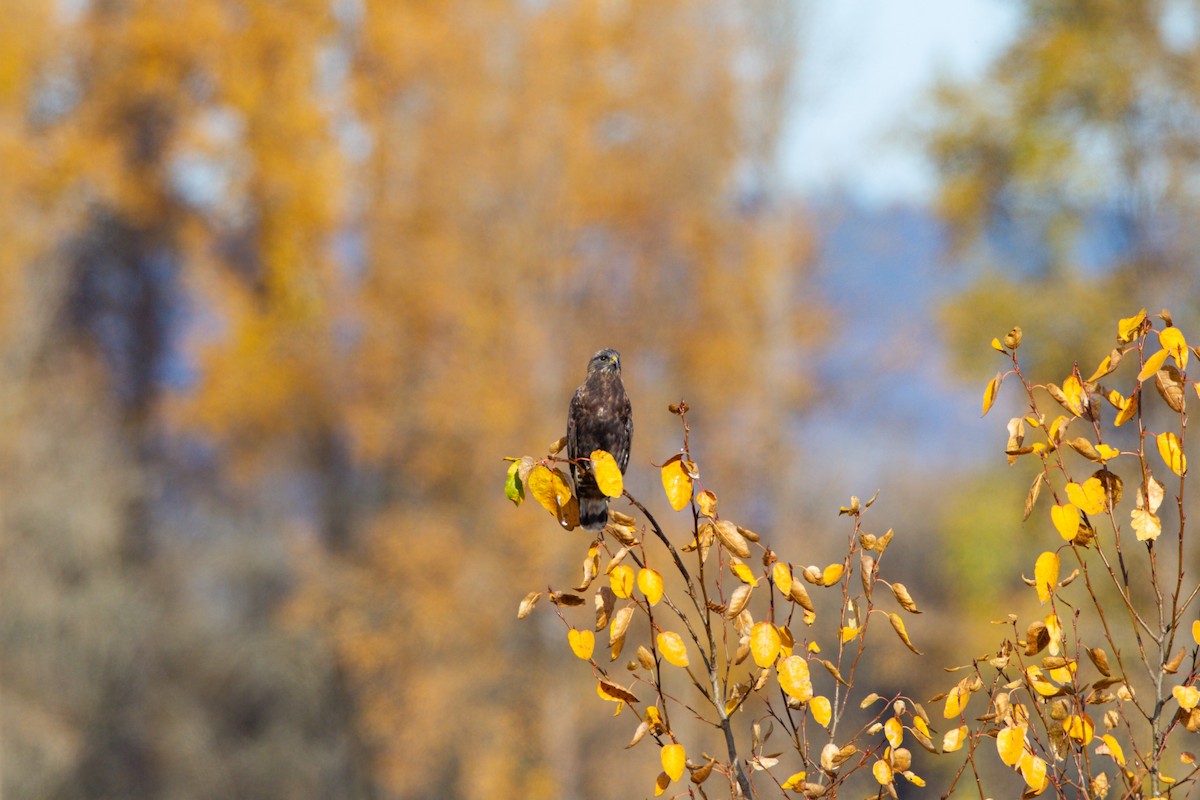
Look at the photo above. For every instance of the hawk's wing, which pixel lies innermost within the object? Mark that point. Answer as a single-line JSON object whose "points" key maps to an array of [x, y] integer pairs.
{"points": [[573, 431]]}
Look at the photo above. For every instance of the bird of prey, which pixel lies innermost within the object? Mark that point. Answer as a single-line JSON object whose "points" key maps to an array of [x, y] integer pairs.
{"points": [[600, 419]]}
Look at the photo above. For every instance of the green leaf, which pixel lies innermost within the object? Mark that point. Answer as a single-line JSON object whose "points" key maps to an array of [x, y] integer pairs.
{"points": [[513, 488]]}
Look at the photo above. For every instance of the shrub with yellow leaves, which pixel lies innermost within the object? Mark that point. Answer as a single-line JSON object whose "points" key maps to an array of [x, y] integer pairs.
{"points": [[732, 636], [1045, 706]]}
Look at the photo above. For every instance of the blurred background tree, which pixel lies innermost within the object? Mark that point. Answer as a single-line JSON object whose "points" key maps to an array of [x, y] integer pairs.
{"points": [[284, 283], [1068, 174]]}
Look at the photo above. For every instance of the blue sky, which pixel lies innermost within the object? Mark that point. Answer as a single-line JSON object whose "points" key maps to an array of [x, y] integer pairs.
{"points": [[865, 66]]}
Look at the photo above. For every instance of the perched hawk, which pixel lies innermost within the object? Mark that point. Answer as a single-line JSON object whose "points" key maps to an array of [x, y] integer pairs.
{"points": [[600, 419]]}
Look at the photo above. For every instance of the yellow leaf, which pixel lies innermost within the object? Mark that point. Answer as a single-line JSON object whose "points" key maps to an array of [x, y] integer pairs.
{"points": [[548, 488], [672, 647], [1106, 366], [1146, 525], [661, 783], [786, 641], [997, 346], [954, 739], [989, 394], [673, 760], [1045, 573], [920, 725], [893, 731], [795, 780], [764, 643], [1033, 770], [1188, 696], [651, 584], [782, 577], [1064, 674], [1080, 728], [956, 701], [1196, 631], [794, 678], [582, 643], [1066, 520], [1153, 364], [731, 538], [1128, 328], [614, 693], [1172, 341], [677, 483], [821, 710], [1114, 748], [914, 779], [1041, 684], [738, 600], [1010, 744], [1089, 496], [898, 627], [849, 632], [743, 572], [1171, 450], [1128, 409], [882, 772], [1105, 452], [621, 580], [708, 503], [607, 473], [1072, 389], [832, 574]]}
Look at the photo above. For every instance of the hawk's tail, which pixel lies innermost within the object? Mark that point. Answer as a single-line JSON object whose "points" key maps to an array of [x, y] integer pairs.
{"points": [[593, 514]]}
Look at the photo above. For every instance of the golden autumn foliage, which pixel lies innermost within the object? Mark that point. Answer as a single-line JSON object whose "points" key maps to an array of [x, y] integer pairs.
{"points": [[374, 222]]}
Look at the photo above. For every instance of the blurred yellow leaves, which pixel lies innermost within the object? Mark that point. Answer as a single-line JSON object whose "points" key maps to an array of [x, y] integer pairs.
{"points": [[607, 473], [677, 482]]}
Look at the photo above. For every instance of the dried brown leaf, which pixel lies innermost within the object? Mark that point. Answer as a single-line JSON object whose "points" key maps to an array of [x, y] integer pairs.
{"points": [[527, 604], [904, 598]]}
